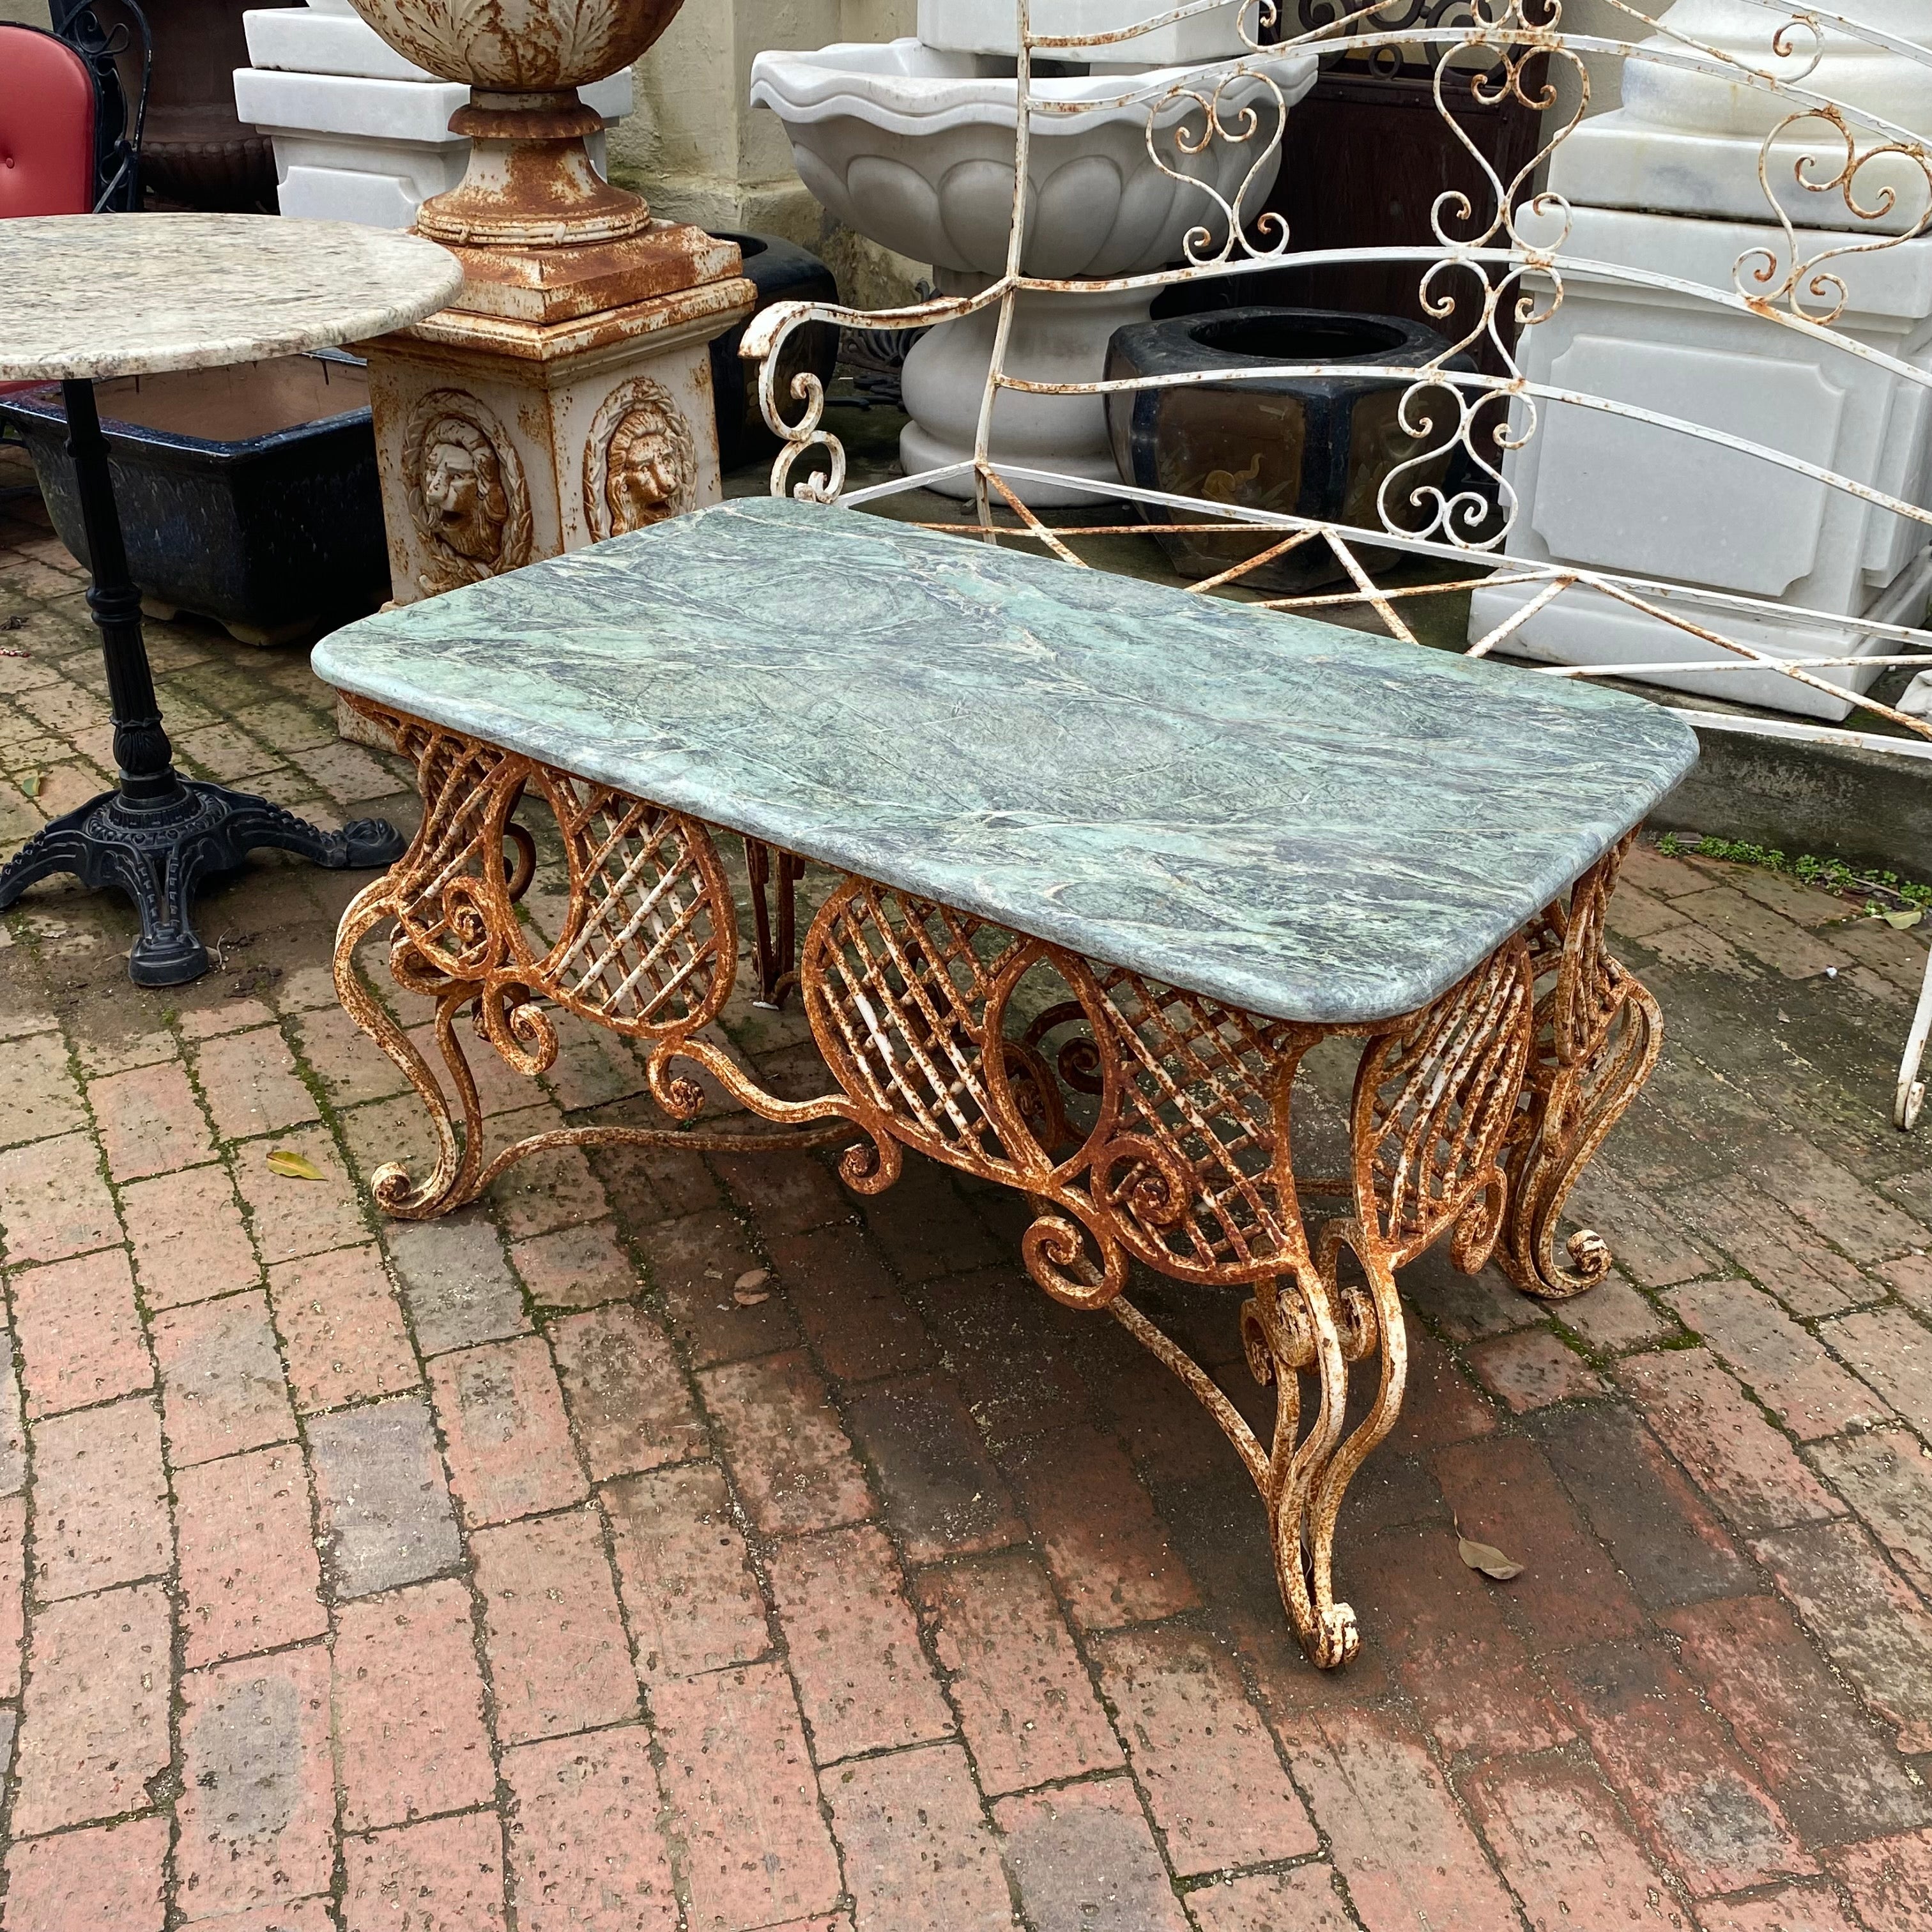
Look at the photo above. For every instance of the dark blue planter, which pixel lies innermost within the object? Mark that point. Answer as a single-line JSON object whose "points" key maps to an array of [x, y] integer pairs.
{"points": [[248, 495], [1311, 446]]}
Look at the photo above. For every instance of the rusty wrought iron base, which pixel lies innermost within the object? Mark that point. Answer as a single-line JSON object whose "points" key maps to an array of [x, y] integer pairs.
{"points": [[1144, 1124]]}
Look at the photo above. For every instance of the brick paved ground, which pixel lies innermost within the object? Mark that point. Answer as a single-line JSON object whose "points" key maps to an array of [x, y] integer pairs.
{"points": [[511, 1570]]}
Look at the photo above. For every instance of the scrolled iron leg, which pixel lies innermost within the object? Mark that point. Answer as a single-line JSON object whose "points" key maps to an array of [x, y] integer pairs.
{"points": [[1574, 1109], [456, 1178], [1303, 1326]]}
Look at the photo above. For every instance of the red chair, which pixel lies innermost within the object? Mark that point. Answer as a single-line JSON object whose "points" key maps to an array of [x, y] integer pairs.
{"points": [[48, 105]]}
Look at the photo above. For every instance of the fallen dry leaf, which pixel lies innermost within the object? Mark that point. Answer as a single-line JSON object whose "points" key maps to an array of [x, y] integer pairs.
{"points": [[295, 1166], [1903, 921], [749, 1289], [1487, 1558]]}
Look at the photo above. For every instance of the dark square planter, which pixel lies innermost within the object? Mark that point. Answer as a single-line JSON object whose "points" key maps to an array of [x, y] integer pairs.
{"points": [[247, 494]]}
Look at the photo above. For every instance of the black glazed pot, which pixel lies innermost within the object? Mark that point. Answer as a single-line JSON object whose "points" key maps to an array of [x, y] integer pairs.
{"points": [[1309, 446], [781, 271], [248, 494]]}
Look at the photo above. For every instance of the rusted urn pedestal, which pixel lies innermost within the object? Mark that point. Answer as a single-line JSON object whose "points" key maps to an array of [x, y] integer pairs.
{"points": [[565, 396]]}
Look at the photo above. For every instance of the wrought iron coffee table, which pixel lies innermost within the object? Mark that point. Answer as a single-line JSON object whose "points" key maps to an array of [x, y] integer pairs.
{"points": [[85, 297], [1111, 860]]}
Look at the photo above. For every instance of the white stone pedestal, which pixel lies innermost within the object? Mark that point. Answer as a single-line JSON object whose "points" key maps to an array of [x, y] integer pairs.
{"points": [[1669, 184], [1620, 496], [360, 133]]}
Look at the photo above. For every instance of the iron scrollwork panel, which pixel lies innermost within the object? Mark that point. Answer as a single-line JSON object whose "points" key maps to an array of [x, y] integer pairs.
{"points": [[1145, 1123]]}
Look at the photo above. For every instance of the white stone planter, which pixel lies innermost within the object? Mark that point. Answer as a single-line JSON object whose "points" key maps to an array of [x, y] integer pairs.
{"points": [[360, 134], [913, 147], [992, 27], [1669, 184]]}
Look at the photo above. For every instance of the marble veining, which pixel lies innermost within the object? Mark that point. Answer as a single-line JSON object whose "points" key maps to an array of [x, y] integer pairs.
{"points": [[132, 294], [1298, 819]]}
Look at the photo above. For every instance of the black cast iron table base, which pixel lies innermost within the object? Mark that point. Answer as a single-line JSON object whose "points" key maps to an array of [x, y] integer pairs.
{"points": [[157, 836], [158, 856]]}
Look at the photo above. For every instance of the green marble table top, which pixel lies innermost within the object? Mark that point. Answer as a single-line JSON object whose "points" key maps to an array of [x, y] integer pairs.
{"points": [[1299, 820]]}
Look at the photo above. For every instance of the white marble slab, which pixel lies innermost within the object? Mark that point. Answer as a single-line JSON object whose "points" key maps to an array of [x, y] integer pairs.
{"points": [[131, 294]]}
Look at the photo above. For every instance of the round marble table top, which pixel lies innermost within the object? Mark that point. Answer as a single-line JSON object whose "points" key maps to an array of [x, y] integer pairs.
{"points": [[131, 294]]}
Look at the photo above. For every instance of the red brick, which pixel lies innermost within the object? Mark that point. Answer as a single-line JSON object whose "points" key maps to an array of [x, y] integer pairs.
{"points": [[302, 1915], [506, 1439], [150, 1122], [1702, 1810], [79, 1333], [222, 1385], [1796, 1908], [100, 1509], [1876, 1630], [790, 1458], [445, 1875], [257, 1808], [1773, 1247], [787, 1193], [1200, 1751], [95, 1726], [1890, 1881], [559, 1658], [1614, 1318], [1467, 1307], [1668, 1546], [42, 1097], [190, 1242], [1504, 1493], [1024, 1699], [1819, 1756], [1735, 1456], [1439, 1405], [1910, 1279], [250, 1082], [687, 1583], [862, 1679], [109, 1877], [342, 1328], [348, 1062], [1303, 1899], [384, 1509], [292, 1218], [575, 1267], [927, 1228], [53, 1202], [943, 1495], [626, 1394], [743, 1799], [1887, 1477], [1836, 1203], [694, 1260], [12, 1591], [585, 1852], [918, 1850], [1108, 1549], [848, 1305], [1565, 1852], [1531, 1368], [409, 1706], [250, 1578], [545, 1191], [1786, 1367], [456, 1281], [1395, 1831], [1892, 1353], [1444, 1631], [1085, 1860], [1648, 1245]]}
